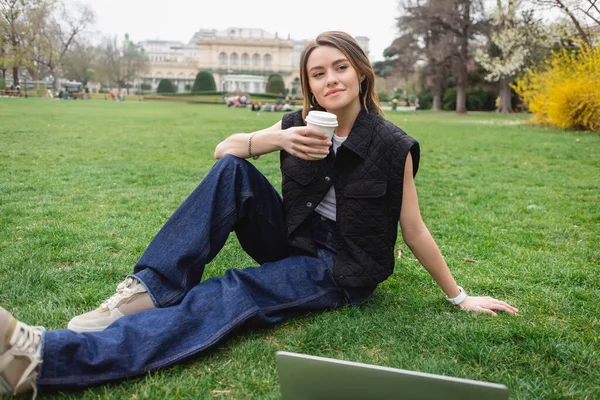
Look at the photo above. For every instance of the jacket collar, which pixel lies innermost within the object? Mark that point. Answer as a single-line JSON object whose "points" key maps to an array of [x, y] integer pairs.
{"points": [[361, 133]]}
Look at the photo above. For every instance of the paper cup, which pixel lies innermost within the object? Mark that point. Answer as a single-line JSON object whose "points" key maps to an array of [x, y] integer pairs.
{"points": [[323, 121]]}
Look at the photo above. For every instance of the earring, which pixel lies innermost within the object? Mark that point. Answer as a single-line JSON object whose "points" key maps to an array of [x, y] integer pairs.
{"points": [[359, 87]]}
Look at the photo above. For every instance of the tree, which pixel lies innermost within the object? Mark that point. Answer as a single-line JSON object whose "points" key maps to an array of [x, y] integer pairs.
{"points": [[509, 49], [460, 19], [3, 54], [80, 63], [134, 62], [166, 86], [120, 65], [12, 14], [59, 33], [109, 62], [204, 81], [275, 84], [422, 38], [582, 13]]}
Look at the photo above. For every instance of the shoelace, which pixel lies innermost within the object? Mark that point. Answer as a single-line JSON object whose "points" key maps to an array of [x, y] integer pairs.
{"points": [[123, 292], [26, 341]]}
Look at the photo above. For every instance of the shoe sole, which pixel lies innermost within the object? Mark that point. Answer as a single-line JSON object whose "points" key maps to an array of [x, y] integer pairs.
{"points": [[4, 386], [80, 329]]}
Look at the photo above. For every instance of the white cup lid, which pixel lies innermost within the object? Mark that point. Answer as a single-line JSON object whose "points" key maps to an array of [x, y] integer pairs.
{"points": [[322, 118]]}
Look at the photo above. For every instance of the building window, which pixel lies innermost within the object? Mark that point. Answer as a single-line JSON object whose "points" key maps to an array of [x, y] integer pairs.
{"points": [[256, 60], [234, 59], [267, 60], [245, 59], [223, 59]]}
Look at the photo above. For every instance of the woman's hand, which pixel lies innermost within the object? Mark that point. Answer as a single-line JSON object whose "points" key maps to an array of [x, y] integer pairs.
{"points": [[300, 140], [487, 305]]}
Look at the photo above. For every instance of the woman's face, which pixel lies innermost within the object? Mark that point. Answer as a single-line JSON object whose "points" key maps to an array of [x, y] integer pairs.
{"points": [[333, 80]]}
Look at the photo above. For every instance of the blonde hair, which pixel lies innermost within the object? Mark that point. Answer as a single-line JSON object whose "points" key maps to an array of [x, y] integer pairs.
{"points": [[357, 57]]}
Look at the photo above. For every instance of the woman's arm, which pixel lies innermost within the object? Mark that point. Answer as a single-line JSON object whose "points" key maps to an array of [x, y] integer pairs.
{"points": [[421, 243], [296, 140]]}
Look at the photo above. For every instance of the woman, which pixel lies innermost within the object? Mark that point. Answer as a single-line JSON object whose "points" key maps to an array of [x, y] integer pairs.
{"points": [[328, 243]]}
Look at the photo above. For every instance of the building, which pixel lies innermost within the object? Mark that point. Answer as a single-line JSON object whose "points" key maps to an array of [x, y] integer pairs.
{"points": [[240, 59]]}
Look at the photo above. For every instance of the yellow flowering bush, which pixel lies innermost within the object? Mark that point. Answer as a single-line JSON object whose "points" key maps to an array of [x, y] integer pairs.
{"points": [[565, 90]]}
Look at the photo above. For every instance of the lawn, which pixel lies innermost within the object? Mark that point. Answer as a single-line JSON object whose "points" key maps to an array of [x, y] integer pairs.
{"points": [[515, 209]]}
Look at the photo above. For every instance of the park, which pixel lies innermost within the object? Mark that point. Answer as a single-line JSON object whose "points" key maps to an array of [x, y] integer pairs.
{"points": [[85, 185]]}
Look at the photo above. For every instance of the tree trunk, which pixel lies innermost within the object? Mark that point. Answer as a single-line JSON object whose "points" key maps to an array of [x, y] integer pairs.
{"points": [[461, 97], [15, 76], [505, 103], [436, 92], [56, 77], [437, 101]]}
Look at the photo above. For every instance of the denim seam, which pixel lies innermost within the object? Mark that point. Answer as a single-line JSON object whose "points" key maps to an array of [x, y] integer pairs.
{"points": [[300, 301]]}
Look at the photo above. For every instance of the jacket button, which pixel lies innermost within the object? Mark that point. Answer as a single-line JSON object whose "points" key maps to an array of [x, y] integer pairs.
{"points": [[341, 276], [309, 204], [327, 178]]}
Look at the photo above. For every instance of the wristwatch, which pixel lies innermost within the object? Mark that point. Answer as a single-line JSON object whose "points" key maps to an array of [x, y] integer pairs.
{"points": [[458, 299]]}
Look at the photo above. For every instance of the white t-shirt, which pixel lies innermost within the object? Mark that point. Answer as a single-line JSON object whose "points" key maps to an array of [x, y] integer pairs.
{"points": [[327, 206]]}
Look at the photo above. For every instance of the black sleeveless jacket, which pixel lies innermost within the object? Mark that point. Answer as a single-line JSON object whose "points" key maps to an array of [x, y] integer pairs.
{"points": [[368, 175]]}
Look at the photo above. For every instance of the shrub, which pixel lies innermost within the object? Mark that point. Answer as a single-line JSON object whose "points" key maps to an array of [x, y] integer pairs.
{"points": [[2, 83], [564, 91], [477, 99], [425, 100], [166, 86], [146, 86], [275, 84], [204, 81], [383, 96]]}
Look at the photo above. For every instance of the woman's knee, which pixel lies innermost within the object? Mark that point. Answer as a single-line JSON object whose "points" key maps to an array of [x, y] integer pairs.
{"points": [[231, 161]]}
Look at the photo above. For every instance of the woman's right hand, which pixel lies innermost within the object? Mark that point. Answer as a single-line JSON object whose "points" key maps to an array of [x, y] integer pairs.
{"points": [[300, 140]]}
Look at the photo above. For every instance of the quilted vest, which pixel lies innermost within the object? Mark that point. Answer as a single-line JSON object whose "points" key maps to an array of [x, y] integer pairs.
{"points": [[368, 175]]}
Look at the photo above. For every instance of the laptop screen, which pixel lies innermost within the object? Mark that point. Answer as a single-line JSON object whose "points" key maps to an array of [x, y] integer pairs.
{"points": [[304, 377]]}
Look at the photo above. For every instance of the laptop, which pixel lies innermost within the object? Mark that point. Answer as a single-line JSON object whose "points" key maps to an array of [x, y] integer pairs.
{"points": [[304, 377]]}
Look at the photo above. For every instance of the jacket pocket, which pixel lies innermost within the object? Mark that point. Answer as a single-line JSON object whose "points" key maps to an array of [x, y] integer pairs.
{"points": [[298, 170], [365, 207], [365, 189]]}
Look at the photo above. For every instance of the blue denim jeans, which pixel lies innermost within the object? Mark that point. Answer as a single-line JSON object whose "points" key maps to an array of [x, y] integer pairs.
{"points": [[191, 316]]}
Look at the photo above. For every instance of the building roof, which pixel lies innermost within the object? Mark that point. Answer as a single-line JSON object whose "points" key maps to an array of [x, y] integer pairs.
{"points": [[247, 33]]}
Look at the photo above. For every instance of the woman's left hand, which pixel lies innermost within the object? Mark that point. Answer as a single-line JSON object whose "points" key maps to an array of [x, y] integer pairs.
{"points": [[487, 305]]}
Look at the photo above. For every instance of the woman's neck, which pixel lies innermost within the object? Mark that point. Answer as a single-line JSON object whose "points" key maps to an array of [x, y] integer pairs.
{"points": [[346, 118]]}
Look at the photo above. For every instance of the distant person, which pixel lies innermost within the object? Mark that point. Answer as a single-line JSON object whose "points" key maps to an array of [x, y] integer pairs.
{"points": [[268, 107], [327, 243]]}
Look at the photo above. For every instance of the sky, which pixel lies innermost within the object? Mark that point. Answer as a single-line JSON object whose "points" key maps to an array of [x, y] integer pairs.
{"points": [[178, 20]]}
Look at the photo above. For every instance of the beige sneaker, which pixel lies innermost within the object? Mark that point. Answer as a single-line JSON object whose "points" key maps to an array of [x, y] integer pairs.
{"points": [[131, 297], [20, 355]]}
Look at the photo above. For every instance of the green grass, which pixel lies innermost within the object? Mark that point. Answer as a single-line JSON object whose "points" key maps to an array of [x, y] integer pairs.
{"points": [[85, 185]]}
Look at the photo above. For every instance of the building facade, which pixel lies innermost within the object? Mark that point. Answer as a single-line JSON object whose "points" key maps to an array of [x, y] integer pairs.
{"points": [[240, 59]]}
